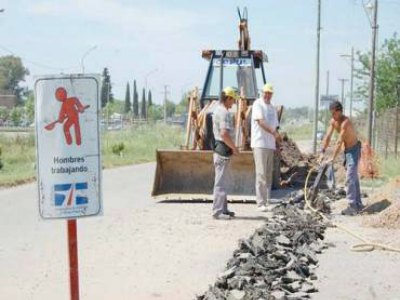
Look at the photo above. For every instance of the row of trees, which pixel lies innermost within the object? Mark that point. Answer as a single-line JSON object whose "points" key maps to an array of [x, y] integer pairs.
{"points": [[144, 108], [145, 104]]}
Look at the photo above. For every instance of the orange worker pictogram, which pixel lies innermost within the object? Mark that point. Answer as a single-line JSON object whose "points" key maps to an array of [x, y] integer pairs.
{"points": [[69, 112]]}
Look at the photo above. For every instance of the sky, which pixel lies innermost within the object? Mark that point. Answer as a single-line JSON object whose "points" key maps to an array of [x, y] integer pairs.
{"points": [[160, 42]]}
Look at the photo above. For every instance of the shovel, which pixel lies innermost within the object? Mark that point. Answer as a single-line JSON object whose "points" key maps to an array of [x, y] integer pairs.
{"points": [[51, 125]]}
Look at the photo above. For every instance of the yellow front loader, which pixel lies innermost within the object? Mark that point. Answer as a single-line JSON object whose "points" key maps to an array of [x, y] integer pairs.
{"points": [[188, 173]]}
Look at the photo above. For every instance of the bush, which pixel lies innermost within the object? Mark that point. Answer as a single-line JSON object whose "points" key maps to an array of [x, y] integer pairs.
{"points": [[118, 148]]}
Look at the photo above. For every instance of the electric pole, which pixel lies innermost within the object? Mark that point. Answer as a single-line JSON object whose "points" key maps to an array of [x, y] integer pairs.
{"points": [[372, 74], [317, 79], [342, 99], [166, 92]]}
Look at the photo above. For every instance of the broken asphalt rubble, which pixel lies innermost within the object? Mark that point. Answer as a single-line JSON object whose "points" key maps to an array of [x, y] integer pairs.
{"points": [[279, 260]]}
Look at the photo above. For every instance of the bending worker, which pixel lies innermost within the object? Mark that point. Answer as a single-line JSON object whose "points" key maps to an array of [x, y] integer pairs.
{"points": [[352, 150], [223, 129]]}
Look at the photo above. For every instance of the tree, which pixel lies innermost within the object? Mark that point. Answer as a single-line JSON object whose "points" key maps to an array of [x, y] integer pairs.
{"points": [[149, 100], [30, 108], [12, 72], [16, 115], [182, 107], [155, 112], [387, 73], [127, 107], [170, 108], [4, 113], [143, 113], [106, 92], [135, 101]]}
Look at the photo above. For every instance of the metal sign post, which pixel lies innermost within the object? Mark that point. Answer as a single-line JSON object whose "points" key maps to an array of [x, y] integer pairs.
{"points": [[67, 110]]}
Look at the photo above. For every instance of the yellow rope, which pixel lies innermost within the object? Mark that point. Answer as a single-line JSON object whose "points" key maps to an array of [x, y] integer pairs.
{"points": [[365, 245]]}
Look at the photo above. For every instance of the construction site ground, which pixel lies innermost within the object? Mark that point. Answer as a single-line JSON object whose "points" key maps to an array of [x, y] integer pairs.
{"points": [[141, 249]]}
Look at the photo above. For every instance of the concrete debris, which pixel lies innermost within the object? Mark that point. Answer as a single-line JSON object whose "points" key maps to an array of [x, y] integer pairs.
{"points": [[276, 262]]}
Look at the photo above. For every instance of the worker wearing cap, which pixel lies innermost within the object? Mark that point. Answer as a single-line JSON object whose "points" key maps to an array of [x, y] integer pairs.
{"points": [[264, 135], [223, 129]]}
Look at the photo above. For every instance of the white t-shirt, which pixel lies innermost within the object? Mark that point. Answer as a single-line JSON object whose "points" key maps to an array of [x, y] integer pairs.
{"points": [[222, 119], [259, 137]]}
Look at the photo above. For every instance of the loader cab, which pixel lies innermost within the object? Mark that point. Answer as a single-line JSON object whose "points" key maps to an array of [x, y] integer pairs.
{"points": [[241, 69]]}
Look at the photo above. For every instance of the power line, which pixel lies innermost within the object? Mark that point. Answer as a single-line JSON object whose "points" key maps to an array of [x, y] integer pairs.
{"points": [[38, 64]]}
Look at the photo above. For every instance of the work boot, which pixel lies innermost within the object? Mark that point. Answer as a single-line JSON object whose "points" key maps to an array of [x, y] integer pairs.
{"points": [[229, 213], [263, 208], [360, 207], [351, 211], [221, 216]]}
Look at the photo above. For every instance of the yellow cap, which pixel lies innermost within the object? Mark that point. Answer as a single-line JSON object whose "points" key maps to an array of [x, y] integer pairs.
{"points": [[231, 92], [268, 88]]}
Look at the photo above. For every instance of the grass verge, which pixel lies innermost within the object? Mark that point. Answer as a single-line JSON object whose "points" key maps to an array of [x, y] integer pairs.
{"points": [[139, 146]]}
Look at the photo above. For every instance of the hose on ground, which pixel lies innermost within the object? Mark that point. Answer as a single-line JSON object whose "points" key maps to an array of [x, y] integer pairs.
{"points": [[362, 247]]}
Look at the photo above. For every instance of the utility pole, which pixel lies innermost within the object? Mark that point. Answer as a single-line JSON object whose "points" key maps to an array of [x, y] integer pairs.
{"points": [[327, 82], [351, 82], [325, 114], [396, 137], [317, 79], [372, 74], [351, 56], [166, 92], [342, 99]]}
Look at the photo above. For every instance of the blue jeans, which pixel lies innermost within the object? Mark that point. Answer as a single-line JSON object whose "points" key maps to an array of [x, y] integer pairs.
{"points": [[352, 156]]}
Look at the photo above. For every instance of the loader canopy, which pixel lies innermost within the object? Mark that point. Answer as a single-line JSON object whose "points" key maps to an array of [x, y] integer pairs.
{"points": [[241, 69]]}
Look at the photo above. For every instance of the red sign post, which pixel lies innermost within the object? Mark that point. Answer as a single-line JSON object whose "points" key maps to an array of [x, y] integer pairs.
{"points": [[73, 259]]}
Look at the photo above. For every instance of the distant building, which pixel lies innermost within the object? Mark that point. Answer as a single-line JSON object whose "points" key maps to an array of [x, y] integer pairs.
{"points": [[7, 99]]}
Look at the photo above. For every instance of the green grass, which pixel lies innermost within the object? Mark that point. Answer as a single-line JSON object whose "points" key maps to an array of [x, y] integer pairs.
{"points": [[388, 169], [140, 143], [18, 157], [302, 132]]}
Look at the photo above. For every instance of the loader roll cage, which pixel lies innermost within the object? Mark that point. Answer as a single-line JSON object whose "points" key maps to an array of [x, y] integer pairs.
{"points": [[240, 69]]}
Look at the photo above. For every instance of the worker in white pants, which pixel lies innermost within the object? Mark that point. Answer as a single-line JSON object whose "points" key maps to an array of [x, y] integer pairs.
{"points": [[264, 135]]}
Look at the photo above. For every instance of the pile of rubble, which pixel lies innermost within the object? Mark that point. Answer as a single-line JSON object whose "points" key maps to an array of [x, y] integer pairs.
{"points": [[277, 262]]}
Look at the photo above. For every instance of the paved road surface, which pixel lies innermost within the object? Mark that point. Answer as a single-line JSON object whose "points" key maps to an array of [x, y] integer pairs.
{"points": [[144, 250], [139, 249]]}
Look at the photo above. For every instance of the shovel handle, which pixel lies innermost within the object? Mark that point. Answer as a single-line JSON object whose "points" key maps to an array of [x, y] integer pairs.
{"points": [[51, 125]]}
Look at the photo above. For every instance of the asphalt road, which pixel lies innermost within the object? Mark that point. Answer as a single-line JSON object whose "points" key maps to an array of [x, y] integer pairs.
{"points": [[139, 249]]}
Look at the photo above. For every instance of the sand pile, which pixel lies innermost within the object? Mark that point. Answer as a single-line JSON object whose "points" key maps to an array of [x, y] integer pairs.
{"points": [[386, 201]]}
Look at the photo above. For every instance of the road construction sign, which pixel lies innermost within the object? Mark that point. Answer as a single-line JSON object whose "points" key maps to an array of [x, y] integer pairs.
{"points": [[67, 109]]}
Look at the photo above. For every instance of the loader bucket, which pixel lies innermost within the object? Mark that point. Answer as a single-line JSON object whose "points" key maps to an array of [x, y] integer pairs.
{"points": [[189, 175]]}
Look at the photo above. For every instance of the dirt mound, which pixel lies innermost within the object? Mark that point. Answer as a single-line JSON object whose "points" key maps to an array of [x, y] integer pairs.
{"points": [[294, 164], [389, 196], [290, 153]]}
